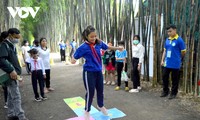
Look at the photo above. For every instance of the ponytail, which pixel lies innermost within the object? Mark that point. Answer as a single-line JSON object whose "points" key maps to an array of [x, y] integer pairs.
{"points": [[3, 36]]}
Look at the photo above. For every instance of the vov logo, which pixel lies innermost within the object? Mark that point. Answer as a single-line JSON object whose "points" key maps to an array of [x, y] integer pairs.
{"points": [[20, 10]]}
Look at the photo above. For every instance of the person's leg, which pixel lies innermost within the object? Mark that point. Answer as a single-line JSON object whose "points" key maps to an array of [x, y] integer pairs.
{"points": [[5, 93], [89, 79], [47, 80], [41, 82], [60, 54], [108, 77], [28, 67], [14, 101], [135, 73], [34, 83], [112, 77], [64, 55], [165, 77], [119, 72], [100, 96], [175, 81], [99, 89]]}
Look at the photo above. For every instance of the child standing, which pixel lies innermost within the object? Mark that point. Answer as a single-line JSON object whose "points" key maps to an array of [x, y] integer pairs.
{"points": [[121, 56], [138, 57], [92, 69], [37, 74], [110, 65], [44, 53]]}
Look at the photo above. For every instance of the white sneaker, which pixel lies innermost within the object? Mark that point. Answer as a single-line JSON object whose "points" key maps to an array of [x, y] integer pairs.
{"points": [[108, 83], [113, 83], [5, 106], [133, 90], [87, 115], [139, 88], [104, 82]]}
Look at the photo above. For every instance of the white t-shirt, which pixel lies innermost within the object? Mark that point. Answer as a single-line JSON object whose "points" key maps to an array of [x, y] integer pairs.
{"points": [[25, 50], [45, 55], [138, 52], [38, 65]]}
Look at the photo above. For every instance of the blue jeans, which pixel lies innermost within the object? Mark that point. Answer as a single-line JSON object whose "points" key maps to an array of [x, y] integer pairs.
{"points": [[14, 101]]}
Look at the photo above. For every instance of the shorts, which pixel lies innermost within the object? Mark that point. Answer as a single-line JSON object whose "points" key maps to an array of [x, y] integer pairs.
{"points": [[110, 67]]}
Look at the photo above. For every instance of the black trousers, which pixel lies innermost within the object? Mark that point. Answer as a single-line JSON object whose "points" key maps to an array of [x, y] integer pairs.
{"points": [[62, 54], [28, 67], [47, 80], [37, 77], [120, 66], [175, 80], [136, 73]]}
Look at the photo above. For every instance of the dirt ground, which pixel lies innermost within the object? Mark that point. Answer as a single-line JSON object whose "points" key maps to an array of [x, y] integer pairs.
{"points": [[67, 81]]}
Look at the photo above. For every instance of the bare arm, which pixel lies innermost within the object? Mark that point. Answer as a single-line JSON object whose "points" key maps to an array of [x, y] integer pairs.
{"points": [[114, 48], [163, 57]]}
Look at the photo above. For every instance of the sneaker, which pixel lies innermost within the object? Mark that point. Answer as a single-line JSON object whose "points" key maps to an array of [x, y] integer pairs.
{"points": [[103, 110], [104, 82], [38, 99], [117, 88], [108, 83], [113, 83], [139, 88], [172, 96], [87, 115], [133, 90], [5, 106], [50, 89], [164, 94], [44, 98], [126, 89]]}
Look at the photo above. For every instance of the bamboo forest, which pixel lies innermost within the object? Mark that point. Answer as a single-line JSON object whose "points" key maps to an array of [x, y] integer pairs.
{"points": [[117, 20]]}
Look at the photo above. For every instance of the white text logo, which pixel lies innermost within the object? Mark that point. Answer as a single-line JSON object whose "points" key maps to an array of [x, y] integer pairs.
{"points": [[20, 11]]}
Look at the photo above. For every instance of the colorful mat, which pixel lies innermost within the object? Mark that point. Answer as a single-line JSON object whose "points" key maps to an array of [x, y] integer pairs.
{"points": [[77, 104]]}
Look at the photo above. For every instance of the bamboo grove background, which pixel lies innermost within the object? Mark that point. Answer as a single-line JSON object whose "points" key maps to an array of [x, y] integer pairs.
{"points": [[115, 20]]}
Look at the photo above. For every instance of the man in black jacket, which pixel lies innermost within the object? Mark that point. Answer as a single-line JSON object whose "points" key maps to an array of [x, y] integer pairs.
{"points": [[10, 64]]}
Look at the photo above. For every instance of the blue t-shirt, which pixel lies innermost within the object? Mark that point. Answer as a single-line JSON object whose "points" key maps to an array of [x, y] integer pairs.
{"points": [[91, 62], [73, 44], [120, 54], [174, 47], [62, 46]]}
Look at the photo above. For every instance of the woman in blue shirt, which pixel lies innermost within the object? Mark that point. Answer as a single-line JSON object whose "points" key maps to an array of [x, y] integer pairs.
{"points": [[92, 69]]}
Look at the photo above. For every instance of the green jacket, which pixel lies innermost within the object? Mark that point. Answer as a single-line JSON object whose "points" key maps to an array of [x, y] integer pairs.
{"points": [[8, 57]]}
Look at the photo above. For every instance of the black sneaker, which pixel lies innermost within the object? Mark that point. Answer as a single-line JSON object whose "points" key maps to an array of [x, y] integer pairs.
{"points": [[164, 94], [44, 98], [38, 99], [172, 97]]}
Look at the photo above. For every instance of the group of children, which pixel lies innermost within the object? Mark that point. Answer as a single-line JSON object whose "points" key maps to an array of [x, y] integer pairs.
{"points": [[115, 61], [39, 61], [90, 50]]}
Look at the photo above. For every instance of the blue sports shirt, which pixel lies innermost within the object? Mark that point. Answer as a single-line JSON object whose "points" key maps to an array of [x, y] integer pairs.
{"points": [[91, 63], [120, 54], [174, 47]]}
